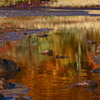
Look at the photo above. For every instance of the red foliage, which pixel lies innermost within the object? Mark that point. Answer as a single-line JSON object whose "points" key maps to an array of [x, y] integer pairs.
{"points": [[29, 5]]}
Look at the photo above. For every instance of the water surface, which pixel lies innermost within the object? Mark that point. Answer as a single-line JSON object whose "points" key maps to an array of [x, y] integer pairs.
{"points": [[50, 78], [47, 11]]}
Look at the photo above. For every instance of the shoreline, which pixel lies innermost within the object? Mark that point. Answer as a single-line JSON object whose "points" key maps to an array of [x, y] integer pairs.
{"points": [[39, 4]]}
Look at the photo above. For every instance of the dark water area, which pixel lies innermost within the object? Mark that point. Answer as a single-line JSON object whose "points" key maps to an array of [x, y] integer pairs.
{"points": [[9, 98], [47, 11], [51, 78]]}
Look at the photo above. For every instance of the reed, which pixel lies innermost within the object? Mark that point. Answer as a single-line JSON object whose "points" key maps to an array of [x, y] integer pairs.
{"points": [[39, 22], [74, 3]]}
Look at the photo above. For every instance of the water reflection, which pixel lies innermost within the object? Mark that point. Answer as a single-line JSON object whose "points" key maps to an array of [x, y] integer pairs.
{"points": [[45, 75], [8, 75]]}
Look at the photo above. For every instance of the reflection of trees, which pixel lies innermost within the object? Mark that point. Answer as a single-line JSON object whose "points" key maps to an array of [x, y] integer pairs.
{"points": [[78, 59], [90, 49], [44, 74], [69, 43], [72, 44]]}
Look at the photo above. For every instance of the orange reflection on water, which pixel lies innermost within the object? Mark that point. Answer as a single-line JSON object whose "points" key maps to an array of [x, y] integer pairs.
{"points": [[46, 75]]}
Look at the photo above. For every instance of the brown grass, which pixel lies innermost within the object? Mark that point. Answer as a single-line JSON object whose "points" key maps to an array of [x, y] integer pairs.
{"points": [[56, 3], [77, 3], [52, 22]]}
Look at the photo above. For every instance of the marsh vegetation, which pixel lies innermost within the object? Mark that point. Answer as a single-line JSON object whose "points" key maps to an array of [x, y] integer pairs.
{"points": [[56, 3]]}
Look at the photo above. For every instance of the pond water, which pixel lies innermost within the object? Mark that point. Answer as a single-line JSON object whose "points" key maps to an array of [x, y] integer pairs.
{"points": [[51, 78], [47, 11]]}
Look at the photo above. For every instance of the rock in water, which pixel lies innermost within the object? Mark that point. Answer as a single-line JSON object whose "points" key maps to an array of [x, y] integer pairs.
{"points": [[47, 52], [42, 35], [4, 84], [8, 66], [20, 98], [25, 33], [11, 65], [87, 83], [91, 42], [2, 97], [57, 56], [97, 70]]}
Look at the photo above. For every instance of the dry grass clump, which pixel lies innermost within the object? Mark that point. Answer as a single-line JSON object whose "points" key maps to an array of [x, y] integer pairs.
{"points": [[39, 22], [77, 3], [94, 12], [56, 3]]}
